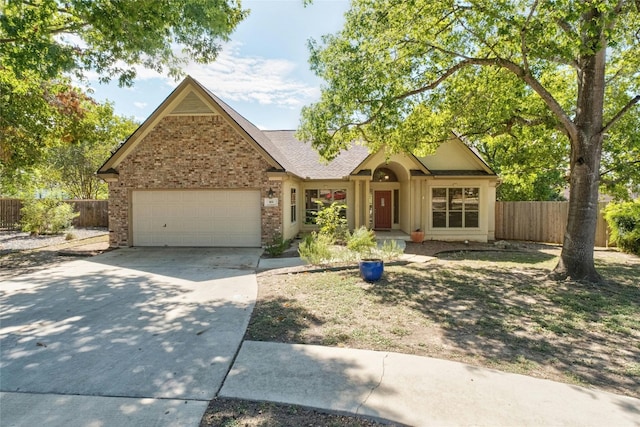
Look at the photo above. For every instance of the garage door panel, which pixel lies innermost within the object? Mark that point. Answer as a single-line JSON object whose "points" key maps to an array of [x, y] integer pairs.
{"points": [[196, 218], [198, 239]]}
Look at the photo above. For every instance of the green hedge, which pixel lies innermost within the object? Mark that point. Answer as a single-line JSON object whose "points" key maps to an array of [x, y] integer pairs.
{"points": [[624, 221]]}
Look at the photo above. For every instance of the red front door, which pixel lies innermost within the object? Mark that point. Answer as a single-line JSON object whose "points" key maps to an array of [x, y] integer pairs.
{"points": [[382, 209]]}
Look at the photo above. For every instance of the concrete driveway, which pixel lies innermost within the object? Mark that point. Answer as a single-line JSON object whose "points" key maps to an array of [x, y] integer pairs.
{"points": [[153, 331]]}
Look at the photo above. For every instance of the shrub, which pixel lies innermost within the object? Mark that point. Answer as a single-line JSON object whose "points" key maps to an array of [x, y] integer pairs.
{"points": [[277, 245], [624, 221], [332, 223], [46, 216], [315, 248], [362, 241], [390, 250]]}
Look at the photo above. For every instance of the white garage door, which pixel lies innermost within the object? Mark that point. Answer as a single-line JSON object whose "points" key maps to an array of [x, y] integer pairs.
{"points": [[196, 218]]}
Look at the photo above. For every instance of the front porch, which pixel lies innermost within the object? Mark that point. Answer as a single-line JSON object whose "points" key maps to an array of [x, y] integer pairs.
{"points": [[382, 235]]}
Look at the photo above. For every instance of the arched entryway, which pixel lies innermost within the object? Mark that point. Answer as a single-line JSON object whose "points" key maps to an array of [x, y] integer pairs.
{"points": [[385, 196]]}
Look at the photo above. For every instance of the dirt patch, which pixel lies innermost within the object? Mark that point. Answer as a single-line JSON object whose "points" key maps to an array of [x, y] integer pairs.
{"points": [[17, 262], [434, 247], [232, 412]]}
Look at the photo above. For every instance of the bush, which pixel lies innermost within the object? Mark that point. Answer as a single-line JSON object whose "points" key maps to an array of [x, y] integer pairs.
{"points": [[624, 221], [390, 250], [362, 241], [315, 248], [46, 216], [277, 245], [332, 223]]}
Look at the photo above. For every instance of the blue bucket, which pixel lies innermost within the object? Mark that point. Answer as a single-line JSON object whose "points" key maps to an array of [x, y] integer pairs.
{"points": [[371, 269]]}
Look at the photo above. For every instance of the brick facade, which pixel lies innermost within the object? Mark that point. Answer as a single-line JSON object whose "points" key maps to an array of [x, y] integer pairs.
{"points": [[190, 152]]}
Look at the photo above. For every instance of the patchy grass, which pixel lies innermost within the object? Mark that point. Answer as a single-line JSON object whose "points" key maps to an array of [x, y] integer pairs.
{"points": [[493, 309]]}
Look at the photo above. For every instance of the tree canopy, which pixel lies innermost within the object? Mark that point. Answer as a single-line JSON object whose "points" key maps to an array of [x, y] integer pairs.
{"points": [[555, 76], [83, 134], [48, 37], [94, 132], [45, 42]]}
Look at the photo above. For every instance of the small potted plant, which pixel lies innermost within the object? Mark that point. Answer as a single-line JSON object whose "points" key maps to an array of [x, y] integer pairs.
{"points": [[417, 236]]}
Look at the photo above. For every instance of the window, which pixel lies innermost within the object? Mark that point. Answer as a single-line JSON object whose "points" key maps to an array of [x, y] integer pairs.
{"points": [[455, 207], [384, 175], [316, 200], [294, 210], [396, 206]]}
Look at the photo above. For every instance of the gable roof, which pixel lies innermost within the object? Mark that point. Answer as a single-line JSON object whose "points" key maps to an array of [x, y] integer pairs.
{"points": [[280, 148], [256, 134], [204, 100], [454, 157]]}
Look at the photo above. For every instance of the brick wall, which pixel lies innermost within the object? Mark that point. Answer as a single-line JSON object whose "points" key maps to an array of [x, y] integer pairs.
{"points": [[190, 152]]}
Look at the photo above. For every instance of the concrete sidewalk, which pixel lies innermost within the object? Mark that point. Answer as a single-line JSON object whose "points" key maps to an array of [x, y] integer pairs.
{"points": [[416, 391], [25, 409]]}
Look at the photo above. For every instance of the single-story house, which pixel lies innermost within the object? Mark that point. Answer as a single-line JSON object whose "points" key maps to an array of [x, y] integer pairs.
{"points": [[197, 173]]}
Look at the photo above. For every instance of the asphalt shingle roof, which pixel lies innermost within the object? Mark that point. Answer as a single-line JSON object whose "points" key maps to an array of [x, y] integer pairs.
{"points": [[307, 163], [300, 158]]}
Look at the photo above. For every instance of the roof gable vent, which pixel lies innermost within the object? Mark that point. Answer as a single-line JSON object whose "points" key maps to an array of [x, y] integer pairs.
{"points": [[191, 104]]}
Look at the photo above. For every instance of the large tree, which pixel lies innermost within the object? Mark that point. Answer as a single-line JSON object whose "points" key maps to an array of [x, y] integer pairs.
{"points": [[402, 73], [44, 41]]}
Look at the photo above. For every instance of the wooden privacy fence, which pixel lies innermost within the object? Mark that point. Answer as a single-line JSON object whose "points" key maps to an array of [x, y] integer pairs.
{"points": [[540, 222], [93, 213]]}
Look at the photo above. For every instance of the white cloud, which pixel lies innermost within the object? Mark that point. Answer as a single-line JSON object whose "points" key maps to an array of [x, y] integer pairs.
{"points": [[140, 105], [234, 77]]}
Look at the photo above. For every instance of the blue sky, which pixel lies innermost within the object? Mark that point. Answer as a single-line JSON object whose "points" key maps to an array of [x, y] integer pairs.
{"points": [[263, 72]]}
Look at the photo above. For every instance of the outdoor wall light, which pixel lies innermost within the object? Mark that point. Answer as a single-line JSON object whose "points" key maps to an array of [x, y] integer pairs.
{"points": [[270, 193]]}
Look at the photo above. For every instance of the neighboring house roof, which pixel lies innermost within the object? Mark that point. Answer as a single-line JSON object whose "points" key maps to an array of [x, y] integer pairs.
{"points": [[280, 148], [307, 163]]}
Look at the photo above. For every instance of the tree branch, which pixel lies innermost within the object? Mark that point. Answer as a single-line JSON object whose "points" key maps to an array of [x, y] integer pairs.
{"points": [[52, 31], [523, 43], [545, 95], [613, 169], [621, 113]]}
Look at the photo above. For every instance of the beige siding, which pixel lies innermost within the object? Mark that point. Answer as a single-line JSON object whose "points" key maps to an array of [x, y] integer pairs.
{"points": [[487, 199], [452, 155], [291, 229]]}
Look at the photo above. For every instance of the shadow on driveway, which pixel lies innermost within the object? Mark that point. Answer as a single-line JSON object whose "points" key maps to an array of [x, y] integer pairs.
{"points": [[164, 325]]}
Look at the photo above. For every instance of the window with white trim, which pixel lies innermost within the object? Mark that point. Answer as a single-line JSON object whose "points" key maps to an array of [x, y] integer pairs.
{"points": [[455, 207], [294, 210]]}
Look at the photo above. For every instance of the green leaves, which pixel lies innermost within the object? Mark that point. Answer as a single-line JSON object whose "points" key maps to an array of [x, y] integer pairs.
{"points": [[45, 42], [402, 74], [99, 35], [94, 131]]}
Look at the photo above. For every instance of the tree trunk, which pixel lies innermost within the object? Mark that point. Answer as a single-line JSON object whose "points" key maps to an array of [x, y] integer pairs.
{"points": [[576, 259]]}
